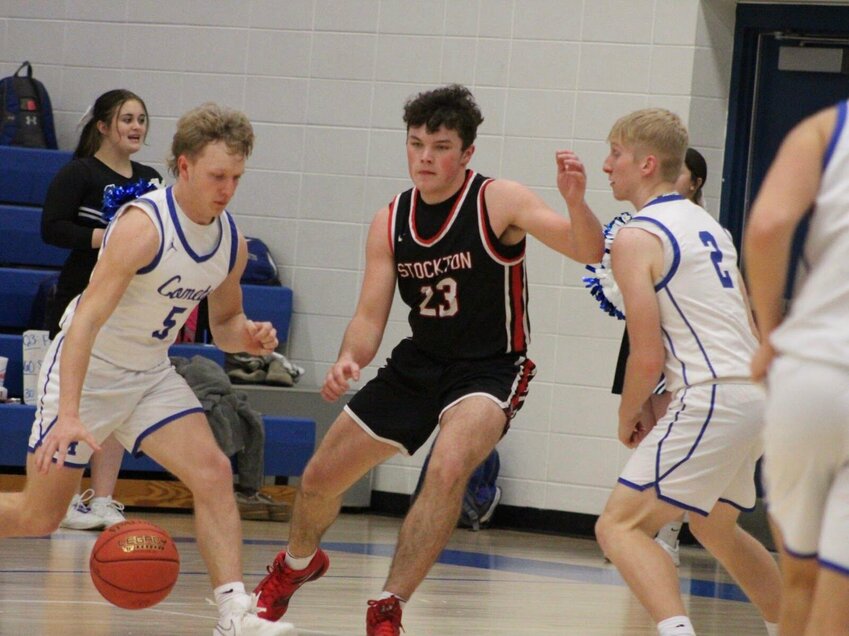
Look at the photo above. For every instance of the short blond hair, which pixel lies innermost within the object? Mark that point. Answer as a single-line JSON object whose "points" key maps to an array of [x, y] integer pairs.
{"points": [[654, 131], [210, 123]]}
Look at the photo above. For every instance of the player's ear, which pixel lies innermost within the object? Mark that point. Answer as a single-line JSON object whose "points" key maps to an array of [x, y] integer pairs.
{"points": [[182, 166], [649, 164], [466, 157]]}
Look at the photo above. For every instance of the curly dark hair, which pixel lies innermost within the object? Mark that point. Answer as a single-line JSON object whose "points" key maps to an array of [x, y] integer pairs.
{"points": [[450, 106]]}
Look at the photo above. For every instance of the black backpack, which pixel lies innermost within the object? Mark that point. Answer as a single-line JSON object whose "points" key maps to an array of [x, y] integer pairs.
{"points": [[482, 494], [27, 117]]}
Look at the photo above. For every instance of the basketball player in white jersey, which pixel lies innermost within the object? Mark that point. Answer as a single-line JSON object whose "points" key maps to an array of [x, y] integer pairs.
{"points": [[107, 371], [806, 355], [687, 317]]}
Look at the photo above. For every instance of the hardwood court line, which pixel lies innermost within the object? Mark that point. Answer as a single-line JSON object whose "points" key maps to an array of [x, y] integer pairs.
{"points": [[602, 575]]}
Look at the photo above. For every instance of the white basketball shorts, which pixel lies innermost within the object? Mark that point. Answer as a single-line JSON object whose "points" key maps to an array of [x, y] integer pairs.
{"points": [[807, 458], [130, 404], [704, 448]]}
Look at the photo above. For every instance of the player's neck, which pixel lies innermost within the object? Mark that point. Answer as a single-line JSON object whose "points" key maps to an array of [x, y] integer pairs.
{"points": [[116, 161], [184, 202], [652, 191]]}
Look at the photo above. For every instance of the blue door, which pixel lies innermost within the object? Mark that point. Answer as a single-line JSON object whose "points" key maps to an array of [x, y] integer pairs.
{"points": [[789, 62]]}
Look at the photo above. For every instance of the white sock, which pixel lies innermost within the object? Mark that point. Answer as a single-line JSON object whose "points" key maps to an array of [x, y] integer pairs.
{"points": [[669, 533], [771, 628], [675, 626], [226, 594], [401, 600], [299, 563]]}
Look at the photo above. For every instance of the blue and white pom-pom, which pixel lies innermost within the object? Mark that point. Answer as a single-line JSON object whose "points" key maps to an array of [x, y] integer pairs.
{"points": [[114, 196], [603, 286]]}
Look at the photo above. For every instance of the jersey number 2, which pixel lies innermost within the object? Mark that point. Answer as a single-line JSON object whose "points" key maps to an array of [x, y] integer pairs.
{"points": [[447, 306], [716, 257]]}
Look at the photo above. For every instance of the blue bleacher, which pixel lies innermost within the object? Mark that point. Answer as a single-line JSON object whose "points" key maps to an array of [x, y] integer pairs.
{"points": [[20, 239], [25, 175], [18, 288]]}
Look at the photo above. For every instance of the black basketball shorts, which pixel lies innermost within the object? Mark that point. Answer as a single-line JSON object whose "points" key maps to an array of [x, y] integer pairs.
{"points": [[405, 401]]}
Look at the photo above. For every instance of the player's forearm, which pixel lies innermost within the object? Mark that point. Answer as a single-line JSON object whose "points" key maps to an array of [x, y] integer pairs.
{"points": [[641, 376], [586, 238], [361, 341], [766, 258], [230, 335]]}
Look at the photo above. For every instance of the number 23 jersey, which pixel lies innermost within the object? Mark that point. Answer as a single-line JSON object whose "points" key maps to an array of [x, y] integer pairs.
{"points": [[704, 316], [466, 291]]}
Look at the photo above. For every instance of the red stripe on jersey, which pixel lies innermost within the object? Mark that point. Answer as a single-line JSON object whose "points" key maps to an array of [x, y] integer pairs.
{"points": [[390, 224], [517, 301], [483, 224]]}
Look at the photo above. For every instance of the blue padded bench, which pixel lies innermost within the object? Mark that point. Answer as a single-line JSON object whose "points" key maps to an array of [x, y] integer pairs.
{"points": [[269, 302], [11, 347], [20, 239], [289, 442], [18, 287], [25, 173]]}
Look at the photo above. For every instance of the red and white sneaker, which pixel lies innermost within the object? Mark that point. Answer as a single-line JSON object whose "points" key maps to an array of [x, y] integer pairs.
{"points": [[384, 617], [281, 582]]}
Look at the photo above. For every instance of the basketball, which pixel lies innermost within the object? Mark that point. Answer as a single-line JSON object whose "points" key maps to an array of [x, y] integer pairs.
{"points": [[134, 564]]}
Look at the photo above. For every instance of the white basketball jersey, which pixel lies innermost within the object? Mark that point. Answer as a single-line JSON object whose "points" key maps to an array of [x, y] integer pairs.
{"points": [[816, 326], [192, 261], [703, 314]]}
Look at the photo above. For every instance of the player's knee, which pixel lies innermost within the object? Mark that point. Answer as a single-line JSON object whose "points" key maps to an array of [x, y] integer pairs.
{"points": [[39, 523], [319, 479], [603, 530], [212, 474], [446, 474]]}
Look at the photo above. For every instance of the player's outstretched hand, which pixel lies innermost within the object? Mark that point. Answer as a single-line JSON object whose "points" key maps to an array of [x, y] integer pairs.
{"points": [[336, 381], [262, 337], [65, 433], [571, 177]]}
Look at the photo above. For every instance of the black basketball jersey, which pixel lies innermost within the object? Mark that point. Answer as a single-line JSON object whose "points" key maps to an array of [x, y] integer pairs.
{"points": [[467, 292]]}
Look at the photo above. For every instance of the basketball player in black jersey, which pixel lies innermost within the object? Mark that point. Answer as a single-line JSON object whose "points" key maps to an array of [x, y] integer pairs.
{"points": [[455, 246]]}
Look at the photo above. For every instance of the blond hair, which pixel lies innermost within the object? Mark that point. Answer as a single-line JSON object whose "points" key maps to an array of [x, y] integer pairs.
{"points": [[654, 131], [210, 123]]}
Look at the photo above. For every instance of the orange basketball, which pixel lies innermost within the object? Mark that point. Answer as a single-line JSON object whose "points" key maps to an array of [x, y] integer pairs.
{"points": [[134, 564]]}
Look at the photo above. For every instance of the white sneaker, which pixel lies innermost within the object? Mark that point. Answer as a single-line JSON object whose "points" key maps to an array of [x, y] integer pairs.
{"points": [[109, 510], [243, 621], [79, 515], [670, 550]]}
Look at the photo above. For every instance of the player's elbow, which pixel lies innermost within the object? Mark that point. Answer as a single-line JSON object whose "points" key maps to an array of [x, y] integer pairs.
{"points": [[649, 362]]}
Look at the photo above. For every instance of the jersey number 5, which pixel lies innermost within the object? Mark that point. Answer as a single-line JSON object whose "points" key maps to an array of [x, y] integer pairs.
{"points": [[168, 323], [445, 305], [716, 257]]}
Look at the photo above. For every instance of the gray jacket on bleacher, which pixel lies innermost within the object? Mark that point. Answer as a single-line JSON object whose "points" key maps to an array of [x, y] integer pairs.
{"points": [[238, 429]]}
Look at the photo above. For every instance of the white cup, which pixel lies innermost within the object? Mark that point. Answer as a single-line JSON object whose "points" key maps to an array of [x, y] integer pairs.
{"points": [[3, 363]]}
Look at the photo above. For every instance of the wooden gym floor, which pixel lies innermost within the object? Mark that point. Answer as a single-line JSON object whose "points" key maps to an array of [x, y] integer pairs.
{"points": [[494, 582]]}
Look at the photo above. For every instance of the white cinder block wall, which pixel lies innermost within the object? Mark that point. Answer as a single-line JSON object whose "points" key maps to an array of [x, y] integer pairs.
{"points": [[324, 82]]}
